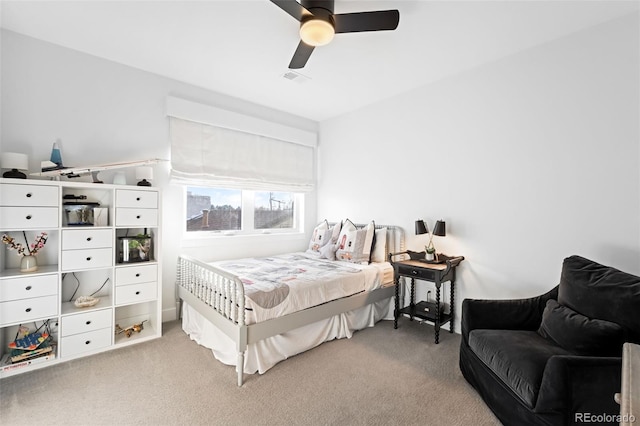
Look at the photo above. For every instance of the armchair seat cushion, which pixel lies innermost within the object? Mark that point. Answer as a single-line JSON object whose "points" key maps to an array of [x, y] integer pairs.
{"points": [[517, 357]]}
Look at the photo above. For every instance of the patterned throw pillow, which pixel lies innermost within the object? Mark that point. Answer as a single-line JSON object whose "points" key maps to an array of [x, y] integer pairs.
{"points": [[319, 237], [323, 235], [354, 245]]}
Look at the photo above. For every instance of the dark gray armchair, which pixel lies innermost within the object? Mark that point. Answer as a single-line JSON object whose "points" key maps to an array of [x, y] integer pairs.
{"points": [[553, 359]]}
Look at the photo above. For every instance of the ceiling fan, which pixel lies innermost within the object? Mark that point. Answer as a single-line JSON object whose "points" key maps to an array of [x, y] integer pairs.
{"points": [[318, 24]]}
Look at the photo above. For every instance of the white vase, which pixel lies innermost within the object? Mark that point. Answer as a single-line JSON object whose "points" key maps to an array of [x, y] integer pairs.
{"points": [[28, 264], [119, 178]]}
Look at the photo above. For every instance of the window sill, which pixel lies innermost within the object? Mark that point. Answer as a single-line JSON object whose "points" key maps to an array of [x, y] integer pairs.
{"points": [[189, 241]]}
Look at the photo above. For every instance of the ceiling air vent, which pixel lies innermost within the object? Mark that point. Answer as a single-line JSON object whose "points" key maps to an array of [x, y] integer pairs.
{"points": [[295, 76]]}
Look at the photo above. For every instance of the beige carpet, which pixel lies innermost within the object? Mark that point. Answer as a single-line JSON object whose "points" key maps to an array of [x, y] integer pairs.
{"points": [[381, 376]]}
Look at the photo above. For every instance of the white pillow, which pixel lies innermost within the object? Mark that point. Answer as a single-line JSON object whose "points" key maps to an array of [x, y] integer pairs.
{"points": [[354, 245], [379, 249]]}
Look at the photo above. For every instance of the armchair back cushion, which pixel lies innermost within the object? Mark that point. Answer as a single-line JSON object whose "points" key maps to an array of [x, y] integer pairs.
{"points": [[601, 292], [578, 334]]}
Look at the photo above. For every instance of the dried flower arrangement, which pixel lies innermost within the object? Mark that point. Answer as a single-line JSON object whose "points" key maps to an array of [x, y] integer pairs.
{"points": [[26, 250]]}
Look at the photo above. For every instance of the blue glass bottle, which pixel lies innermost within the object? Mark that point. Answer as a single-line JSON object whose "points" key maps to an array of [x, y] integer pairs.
{"points": [[56, 157]]}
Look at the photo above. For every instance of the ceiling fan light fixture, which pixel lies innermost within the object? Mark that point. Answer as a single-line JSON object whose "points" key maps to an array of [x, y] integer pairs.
{"points": [[316, 32]]}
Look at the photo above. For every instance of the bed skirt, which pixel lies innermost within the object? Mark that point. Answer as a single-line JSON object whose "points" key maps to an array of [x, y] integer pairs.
{"points": [[262, 355]]}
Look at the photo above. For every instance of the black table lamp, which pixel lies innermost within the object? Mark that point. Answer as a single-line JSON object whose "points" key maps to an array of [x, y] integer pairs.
{"points": [[421, 227], [439, 229]]}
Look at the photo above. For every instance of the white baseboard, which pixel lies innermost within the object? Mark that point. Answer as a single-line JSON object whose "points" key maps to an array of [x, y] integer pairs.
{"points": [[169, 314]]}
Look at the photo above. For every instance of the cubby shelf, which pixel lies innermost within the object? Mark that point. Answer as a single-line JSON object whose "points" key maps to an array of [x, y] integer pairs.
{"points": [[81, 257]]}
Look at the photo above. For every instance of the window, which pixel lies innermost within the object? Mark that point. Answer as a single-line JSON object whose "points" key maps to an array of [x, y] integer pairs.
{"points": [[241, 211], [273, 210], [213, 209]]}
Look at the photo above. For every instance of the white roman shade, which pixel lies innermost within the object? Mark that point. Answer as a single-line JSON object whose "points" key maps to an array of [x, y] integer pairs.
{"points": [[221, 155]]}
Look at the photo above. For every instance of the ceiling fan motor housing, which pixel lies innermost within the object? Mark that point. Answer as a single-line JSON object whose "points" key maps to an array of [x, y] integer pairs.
{"points": [[322, 10], [327, 5]]}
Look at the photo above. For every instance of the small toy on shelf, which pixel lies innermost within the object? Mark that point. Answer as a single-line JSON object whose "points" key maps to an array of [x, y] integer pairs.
{"points": [[129, 330]]}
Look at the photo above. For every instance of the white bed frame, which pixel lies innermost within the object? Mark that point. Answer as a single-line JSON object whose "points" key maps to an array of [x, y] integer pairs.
{"points": [[219, 297]]}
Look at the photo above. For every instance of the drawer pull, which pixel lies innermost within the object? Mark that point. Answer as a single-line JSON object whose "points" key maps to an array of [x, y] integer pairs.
{"points": [[88, 342], [414, 272], [138, 274], [88, 258], [28, 288], [137, 198], [29, 217], [138, 217], [29, 195], [88, 238], [88, 322], [137, 292], [28, 310]]}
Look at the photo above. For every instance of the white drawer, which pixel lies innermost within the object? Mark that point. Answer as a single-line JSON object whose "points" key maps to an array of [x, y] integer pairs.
{"points": [[28, 195], [140, 199], [90, 321], [134, 293], [28, 287], [136, 217], [86, 238], [85, 342], [24, 310], [73, 260], [136, 274], [28, 217]]}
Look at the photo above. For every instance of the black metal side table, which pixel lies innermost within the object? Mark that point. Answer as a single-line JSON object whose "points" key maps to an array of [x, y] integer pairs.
{"points": [[438, 273]]}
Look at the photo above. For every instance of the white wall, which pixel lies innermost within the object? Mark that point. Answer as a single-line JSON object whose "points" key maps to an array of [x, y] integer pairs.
{"points": [[528, 159], [105, 112]]}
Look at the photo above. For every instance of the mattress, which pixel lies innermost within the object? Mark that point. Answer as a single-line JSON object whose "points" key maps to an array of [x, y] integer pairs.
{"points": [[287, 283]]}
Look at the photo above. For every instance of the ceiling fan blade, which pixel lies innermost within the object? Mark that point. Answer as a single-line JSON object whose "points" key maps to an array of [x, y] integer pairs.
{"points": [[301, 55], [367, 21], [292, 7]]}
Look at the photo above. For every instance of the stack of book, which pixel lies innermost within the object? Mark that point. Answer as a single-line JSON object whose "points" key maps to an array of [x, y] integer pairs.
{"points": [[30, 349]]}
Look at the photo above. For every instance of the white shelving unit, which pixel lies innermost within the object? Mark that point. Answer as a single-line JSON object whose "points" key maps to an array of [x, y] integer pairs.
{"points": [[79, 260]]}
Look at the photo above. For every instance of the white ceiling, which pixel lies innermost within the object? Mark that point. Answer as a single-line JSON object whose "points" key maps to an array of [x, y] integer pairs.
{"points": [[242, 47]]}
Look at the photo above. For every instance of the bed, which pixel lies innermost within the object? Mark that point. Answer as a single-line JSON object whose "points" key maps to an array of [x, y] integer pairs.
{"points": [[229, 306]]}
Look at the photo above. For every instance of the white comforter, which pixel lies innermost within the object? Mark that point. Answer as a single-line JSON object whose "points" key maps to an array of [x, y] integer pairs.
{"points": [[279, 285]]}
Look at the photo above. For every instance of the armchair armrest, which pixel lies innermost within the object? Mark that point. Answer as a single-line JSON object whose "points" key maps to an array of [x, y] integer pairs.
{"points": [[511, 314], [580, 386]]}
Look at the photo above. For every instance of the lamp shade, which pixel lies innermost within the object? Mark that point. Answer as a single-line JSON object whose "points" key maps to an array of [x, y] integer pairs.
{"points": [[316, 32], [14, 160], [144, 172], [439, 229], [421, 227]]}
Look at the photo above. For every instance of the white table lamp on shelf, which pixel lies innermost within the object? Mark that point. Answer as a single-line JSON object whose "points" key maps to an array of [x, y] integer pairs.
{"points": [[15, 162], [144, 174]]}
